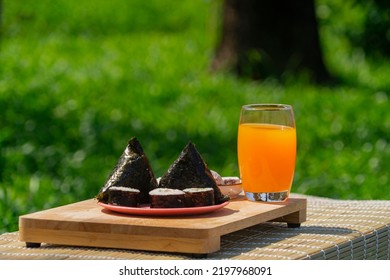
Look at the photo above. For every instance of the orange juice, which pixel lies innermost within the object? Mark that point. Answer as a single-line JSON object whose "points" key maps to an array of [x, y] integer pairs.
{"points": [[266, 156]]}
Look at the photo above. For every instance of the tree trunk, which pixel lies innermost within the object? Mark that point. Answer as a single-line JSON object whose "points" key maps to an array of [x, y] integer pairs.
{"points": [[270, 38]]}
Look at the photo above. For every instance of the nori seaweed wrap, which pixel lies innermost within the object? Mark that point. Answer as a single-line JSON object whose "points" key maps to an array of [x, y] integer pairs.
{"points": [[167, 198], [198, 197], [133, 170], [190, 171], [123, 196]]}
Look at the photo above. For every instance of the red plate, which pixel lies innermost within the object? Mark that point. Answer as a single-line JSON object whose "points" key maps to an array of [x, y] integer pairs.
{"points": [[147, 211]]}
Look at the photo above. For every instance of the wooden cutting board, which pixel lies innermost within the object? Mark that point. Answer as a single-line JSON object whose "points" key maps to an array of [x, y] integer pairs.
{"points": [[86, 223]]}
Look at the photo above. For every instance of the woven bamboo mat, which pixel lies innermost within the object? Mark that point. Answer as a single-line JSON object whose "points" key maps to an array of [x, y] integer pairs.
{"points": [[335, 229]]}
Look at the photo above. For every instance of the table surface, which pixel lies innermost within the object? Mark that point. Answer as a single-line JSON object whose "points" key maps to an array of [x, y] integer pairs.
{"points": [[334, 229]]}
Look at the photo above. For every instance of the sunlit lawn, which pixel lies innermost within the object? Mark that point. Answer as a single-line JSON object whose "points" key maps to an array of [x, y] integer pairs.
{"points": [[77, 81]]}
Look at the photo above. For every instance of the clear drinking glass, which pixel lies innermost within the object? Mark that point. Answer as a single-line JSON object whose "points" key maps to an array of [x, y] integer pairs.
{"points": [[267, 151]]}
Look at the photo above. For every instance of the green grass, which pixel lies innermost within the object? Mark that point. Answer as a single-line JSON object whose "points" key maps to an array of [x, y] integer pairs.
{"points": [[78, 79]]}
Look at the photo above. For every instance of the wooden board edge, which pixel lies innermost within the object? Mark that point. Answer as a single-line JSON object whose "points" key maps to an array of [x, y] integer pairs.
{"points": [[293, 213], [296, 217], [121, 241]]}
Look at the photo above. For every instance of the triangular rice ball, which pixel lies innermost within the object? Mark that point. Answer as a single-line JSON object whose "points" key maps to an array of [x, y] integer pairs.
{"points": [[133, 170], [190, 171]]}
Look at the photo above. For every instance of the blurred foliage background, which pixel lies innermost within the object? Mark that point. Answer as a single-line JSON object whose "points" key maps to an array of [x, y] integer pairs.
{"points": [[78, 79]]}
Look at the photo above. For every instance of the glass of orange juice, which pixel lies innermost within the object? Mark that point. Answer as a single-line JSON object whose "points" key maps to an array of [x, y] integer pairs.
{"points": [[266, 151]]}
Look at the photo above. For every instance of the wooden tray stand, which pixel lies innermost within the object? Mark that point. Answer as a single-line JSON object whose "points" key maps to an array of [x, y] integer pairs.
{"points": [[87, 224]]}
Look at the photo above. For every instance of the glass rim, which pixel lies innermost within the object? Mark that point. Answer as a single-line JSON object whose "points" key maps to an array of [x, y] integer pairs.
{"points": [[267, 106]]}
